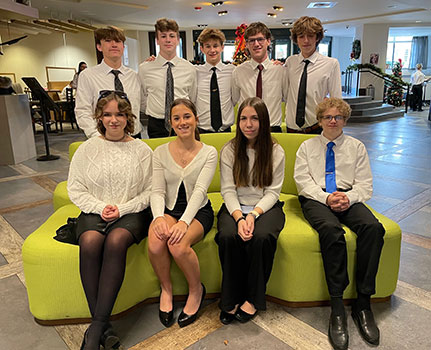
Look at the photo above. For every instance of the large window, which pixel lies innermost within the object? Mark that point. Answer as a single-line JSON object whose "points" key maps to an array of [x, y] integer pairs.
{"points": [[399, 47], [181, 48]]}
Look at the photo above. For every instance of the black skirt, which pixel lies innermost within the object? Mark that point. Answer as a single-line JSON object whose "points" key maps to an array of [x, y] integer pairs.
{"points": [[136, 223], [205, 215]]}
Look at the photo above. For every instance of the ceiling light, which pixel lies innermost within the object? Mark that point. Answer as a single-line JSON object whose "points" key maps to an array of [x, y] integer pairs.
{"points": [[217, 3], [321, 5], [288, 22], [198, 8], [202, 25], [222, 13], [273, 15], [278, 8]]}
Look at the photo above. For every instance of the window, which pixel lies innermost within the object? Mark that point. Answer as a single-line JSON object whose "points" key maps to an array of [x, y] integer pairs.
{"points": [[399, 47], [181, 48], [228, 52]]}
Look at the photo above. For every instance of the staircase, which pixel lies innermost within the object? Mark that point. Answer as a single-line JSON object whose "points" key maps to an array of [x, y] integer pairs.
{"points": [[365, 109]]}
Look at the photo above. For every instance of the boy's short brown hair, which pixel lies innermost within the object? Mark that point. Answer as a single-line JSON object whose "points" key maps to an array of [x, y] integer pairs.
{"points": [[256, 28], [109, 33], [307, 25], [210, 33], [166, 25]]}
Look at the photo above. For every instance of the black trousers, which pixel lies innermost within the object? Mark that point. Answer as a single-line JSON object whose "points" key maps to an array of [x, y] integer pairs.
{"points": [[203, 131], [156, 128], [276, 128], [417, 97], [369, 244], [247, 265]]}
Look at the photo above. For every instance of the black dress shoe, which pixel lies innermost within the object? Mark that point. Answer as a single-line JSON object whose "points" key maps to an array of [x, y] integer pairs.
{"points": [[184, 319], [368, 329], [109, 339], [226, 317], [243, 316], [337, 333], [166, 318]]}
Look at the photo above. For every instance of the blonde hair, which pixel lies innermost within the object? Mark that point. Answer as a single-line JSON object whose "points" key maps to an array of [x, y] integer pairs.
{"points": [[210, 33], [307, 25], [333, 102]]}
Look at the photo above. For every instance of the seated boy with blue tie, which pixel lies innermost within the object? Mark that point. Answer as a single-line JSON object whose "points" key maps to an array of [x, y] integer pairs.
{"points": [[333, 177]]}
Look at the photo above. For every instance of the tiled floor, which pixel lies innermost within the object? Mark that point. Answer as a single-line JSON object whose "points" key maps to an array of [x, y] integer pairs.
{"points": [[400, 154]]}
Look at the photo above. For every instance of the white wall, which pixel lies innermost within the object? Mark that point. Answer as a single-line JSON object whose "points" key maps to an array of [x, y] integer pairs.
{"points": [[31, 55]]}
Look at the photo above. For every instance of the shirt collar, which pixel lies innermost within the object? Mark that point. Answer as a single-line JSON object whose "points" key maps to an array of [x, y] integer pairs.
{"points": [[107, 69], [338, 141], [208, 66], [265, 63], [162, 61], [313, 58]]}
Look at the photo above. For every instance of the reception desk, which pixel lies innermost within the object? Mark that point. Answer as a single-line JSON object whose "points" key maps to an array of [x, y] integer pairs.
{"points": [[16, 133]]}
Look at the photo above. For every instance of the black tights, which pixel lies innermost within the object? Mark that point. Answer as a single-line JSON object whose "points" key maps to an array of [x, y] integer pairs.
{"points": [[102, 262]]}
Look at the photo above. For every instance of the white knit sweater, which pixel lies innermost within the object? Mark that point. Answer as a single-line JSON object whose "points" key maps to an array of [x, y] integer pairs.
{"points": [[116, 173]]}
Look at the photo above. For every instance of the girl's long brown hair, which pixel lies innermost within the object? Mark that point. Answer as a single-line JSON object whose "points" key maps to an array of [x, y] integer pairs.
{"points": [[261, 175]]}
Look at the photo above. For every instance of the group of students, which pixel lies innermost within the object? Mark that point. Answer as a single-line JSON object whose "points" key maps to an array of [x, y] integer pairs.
{"points": [[126, 192]]}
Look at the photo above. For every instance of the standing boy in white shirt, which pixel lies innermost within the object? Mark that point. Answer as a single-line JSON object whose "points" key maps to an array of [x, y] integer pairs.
{"points": [[333, 177], [318, 75], [110, 74], [259, 76], [165, 79], [214, 99]]}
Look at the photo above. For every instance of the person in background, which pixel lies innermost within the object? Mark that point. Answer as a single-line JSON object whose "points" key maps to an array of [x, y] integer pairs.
{"points": [[165, 79], [214, 99], [110, 181], [417, 81], [6, 86], [311, 77], [182, 172], [333, 176], [259, 76], [251, 218], [110, 74], [63, 94], [81, 66]]}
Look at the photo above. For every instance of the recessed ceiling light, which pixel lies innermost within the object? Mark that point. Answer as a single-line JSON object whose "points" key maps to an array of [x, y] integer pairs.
{"points": [[202, 25], [392, 6], [273, 15], [222, 13], [278, 8], [321, 5], [216, 3], [198, 8]]}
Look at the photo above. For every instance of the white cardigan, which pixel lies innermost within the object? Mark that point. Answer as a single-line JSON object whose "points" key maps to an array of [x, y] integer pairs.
{"points": [[117, 173], [168, 175], [264, 198]]}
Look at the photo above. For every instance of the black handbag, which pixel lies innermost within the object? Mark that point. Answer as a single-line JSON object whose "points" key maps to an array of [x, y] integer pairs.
{"points": [[67, 233]]}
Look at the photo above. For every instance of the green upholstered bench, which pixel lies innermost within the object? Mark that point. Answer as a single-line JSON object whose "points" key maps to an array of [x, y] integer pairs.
{"points": [[52, 275]]}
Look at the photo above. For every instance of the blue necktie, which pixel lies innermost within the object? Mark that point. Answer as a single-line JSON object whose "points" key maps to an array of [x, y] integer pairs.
{"points": [[331, 185]]}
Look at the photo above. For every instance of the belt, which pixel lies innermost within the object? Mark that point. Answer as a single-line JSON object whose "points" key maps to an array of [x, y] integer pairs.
{"points": [[306, 130]]}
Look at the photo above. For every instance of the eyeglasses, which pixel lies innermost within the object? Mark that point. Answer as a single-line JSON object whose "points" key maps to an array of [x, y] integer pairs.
{"points": [[106, 93], [252, 40], [330, 117]]}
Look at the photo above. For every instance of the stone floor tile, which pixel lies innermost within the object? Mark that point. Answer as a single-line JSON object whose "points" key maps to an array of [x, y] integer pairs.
{"points": [[414, 267], [21, 191], [6, 171], [3, 261], [419, 223]]}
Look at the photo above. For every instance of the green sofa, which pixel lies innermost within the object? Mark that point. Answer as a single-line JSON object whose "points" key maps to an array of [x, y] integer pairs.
{"points": [[52, 275]]}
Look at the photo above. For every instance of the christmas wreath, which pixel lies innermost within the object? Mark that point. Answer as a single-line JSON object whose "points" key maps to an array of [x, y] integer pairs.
{"points": [[356, 50]]}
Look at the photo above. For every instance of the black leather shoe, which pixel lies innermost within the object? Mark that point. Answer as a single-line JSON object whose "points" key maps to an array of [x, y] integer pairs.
{"points": [[337, 333], [166, 318], [109, 339], [226, 317], [243, 316], [368, 329], [184, 319]]}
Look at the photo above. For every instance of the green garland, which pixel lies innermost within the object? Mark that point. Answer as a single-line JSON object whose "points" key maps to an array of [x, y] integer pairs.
{"points": [[376, 69]]}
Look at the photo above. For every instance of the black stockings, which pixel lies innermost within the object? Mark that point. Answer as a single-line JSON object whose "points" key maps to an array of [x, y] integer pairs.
{"points": [[102, 264]]}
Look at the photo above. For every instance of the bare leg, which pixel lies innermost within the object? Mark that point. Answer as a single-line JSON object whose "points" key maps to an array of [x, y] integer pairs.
{"points": [[188, 262]]}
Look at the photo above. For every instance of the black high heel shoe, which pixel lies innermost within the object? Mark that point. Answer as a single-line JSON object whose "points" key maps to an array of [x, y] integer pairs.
{"points": [[167, 318], [109, 339], [184, 319], [243, 316]]}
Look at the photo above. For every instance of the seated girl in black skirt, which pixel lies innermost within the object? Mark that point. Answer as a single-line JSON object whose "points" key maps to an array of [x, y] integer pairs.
{"points": [[110, 181], [182, 172]]}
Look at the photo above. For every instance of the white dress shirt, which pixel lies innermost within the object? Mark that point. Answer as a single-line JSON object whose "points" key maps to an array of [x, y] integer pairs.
{"points": [[94, 79], [264, 198], [323, 79], [153, 80], [203, 100], [274, 86], [417, 78], [168, 175], [352, 169], [117, 173]]}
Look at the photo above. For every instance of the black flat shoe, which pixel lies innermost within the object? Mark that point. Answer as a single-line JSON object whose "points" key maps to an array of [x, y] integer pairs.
{"points": [[243, 316], [166, 318], [184, 319], [368, 329], [226, 317], [338, 334], [109, 339]]}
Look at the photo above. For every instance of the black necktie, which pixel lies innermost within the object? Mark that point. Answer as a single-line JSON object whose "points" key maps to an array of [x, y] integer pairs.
{"points": [[117, 82], [169, 95], [216, 122], [300, 107], [259, 81]]}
